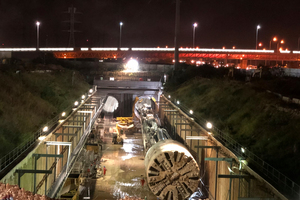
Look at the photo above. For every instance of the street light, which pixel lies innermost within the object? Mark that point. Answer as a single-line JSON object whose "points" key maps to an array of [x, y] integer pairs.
{"points": [[258, 27], [121, 24], [45, 129], [37, 34], [194, 30], [274, 40], [208, 125]]}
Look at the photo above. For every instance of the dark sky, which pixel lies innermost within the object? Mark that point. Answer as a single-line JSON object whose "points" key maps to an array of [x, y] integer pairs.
{"points": [[150, 23]]}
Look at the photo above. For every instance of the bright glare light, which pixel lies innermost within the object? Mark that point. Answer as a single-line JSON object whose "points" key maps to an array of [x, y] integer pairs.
{"points": [[41, 138], [56, 49], [208, 125], [282, 41], [191, 112], [275, 39], [258, 26], [104, 49], [178, 102], [76, 103], [63, 114], [38, 23], [209, 133], [195, 24], [121, 23], [169, 96], [83, 97], [91, 91], [18, 49], [243, 150], [45, 129], [132, 65]]}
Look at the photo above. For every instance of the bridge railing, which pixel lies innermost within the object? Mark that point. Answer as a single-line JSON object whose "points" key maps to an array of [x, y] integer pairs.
{"points": [[281, 182]]}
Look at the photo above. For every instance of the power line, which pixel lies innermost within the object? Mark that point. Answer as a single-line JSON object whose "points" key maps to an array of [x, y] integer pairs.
{"points": [[72, 12]]}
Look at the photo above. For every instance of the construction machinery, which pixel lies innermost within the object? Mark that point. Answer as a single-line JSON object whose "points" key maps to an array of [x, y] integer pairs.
{"points": [[172, 172]]}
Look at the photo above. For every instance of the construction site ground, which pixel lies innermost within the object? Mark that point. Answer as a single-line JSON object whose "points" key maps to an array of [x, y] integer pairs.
{"points": [[125, 169]]}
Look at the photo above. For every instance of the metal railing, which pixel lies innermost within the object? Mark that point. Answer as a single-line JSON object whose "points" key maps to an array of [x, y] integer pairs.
{"points": [[13, 155], [31, 141], [281, 182]]}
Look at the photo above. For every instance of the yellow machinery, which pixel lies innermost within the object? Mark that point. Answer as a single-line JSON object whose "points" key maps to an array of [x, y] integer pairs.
{"points": [[124, 124]]}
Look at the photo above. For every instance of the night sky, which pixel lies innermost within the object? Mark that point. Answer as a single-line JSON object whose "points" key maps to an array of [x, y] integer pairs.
{"points": [[150, 23]]}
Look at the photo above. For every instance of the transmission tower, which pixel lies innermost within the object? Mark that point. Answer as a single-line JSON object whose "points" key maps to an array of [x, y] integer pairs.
{"points": [[72, 12]]}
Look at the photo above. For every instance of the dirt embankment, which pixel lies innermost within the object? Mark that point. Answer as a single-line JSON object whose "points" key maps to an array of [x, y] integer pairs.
{"points": [[259, 120]]}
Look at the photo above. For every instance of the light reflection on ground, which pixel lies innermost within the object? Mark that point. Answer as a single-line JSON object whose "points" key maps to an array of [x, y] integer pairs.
{"points": [[125, 165]]}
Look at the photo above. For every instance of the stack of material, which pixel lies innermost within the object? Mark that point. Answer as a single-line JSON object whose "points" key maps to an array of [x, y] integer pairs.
{"points": [[14, 192]]}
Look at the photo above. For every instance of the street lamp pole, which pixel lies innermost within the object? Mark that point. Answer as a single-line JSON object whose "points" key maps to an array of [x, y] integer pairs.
{"points": [[194, 30], [274, 39], [176, 38], [37, 34], [121, 24], [258, 27]]}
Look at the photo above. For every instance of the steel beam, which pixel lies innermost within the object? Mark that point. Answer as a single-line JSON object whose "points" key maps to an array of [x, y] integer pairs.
{"points": [[170, 110], [37, 156], [72, 126], [66, 134], [81, 114], [58, 143], [89, 112], [85, 108], [75, 121], [220, 159], [208, 147], [182, 123], [196, 137], [21, 172], [26, 171], [193, 130], [234, 176]]}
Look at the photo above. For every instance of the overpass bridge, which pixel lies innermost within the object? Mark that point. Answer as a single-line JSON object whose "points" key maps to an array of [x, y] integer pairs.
{"points": [[188, 55], [224, 170]]}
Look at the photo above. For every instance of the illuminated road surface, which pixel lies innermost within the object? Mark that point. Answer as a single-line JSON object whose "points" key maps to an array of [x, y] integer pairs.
{"points": [[125, 165]]}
